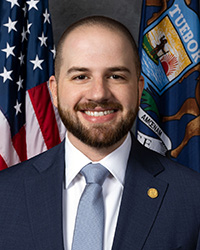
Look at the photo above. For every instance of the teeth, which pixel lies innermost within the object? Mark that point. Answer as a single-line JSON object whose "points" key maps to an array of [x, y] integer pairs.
{"points": [[100, 113]]}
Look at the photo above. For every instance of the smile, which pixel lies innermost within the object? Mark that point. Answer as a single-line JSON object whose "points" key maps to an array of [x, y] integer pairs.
{"points": [[99, 113]]}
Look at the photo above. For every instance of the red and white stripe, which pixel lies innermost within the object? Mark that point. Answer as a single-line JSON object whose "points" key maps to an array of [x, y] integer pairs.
{"points": [[42, 131]]}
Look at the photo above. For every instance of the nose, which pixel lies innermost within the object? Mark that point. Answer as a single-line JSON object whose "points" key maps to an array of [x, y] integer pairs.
{"points": [[99, 90]]}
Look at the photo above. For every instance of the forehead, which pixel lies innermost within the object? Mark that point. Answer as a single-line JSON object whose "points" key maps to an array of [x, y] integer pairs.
{"points": [[89, 36]]}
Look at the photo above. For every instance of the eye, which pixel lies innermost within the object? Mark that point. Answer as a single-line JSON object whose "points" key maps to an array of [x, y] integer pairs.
{"points": [[80, 77], [116, 77]]}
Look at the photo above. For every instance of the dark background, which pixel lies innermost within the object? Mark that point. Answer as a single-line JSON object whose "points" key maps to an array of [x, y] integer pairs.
{"points": [[65, 12]]}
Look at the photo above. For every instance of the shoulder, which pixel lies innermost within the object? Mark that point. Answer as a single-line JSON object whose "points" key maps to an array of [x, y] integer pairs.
{"points": [[32, 166], [164, 167]]}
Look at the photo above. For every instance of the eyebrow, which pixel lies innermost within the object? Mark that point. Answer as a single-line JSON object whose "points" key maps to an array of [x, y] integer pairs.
{"points": [[118, 69], [77, 69], [111, 69]]}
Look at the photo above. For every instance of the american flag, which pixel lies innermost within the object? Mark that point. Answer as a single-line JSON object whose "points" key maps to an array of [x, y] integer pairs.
{"points": [[29, 123]]}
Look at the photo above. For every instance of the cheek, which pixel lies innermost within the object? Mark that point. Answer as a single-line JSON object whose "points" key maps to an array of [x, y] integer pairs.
{"points": [[128, 98], [68, 96]]}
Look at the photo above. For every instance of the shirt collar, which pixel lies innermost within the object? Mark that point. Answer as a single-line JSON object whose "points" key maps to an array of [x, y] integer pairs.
{"points": [[115, 162]]}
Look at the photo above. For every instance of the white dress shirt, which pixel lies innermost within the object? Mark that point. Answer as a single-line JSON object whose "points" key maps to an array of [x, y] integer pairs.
{"points": [[116, 163]]}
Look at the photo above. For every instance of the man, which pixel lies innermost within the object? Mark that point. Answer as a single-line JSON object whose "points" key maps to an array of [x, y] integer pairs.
{"points": [[150, 202]]}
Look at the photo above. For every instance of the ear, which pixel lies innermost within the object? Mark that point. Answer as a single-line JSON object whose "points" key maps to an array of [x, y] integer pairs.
{"points": [[54, 90], [140, 86]]}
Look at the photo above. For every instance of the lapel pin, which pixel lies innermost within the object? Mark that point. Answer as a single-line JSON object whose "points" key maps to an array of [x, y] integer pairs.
{"points": [[152, 193]]}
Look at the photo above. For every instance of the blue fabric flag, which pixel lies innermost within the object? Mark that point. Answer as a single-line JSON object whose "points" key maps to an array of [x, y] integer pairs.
{"points": [[169, 115]]}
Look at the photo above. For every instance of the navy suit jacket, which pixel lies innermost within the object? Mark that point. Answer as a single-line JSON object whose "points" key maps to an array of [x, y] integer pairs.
{"points": [[31, 204]]}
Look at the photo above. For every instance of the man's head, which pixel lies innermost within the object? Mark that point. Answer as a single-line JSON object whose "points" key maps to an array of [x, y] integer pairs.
{"points": [[97, 21], [97, 84]]}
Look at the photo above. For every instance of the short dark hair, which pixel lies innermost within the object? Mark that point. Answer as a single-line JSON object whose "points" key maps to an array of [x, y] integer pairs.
{"points": [[97, 21]]}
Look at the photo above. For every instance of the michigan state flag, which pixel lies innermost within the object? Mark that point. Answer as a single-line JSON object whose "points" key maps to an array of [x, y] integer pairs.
{"points": [[169, 115]]}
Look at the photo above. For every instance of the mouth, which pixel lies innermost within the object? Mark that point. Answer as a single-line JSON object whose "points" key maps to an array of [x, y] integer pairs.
{"points": [[99, 113]]}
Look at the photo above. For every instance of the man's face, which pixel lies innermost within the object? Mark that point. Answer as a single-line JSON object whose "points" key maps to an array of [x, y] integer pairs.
{"points": [[98, 93]]}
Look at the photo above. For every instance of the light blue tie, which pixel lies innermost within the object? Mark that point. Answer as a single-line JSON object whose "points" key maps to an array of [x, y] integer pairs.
{"points": [[89, 226]]}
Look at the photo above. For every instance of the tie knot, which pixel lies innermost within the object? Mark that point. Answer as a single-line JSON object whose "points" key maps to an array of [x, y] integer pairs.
{"points": [[95, 173]]}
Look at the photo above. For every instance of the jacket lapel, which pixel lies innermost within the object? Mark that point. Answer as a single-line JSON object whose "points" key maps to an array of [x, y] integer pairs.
{"points": [[138, 210], [44, 199]]}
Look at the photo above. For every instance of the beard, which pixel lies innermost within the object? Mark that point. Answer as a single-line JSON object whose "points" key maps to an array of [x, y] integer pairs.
{"points": [[98, 135]]}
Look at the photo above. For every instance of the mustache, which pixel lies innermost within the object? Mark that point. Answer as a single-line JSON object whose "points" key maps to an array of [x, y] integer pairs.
{"points": [[92, 105]]}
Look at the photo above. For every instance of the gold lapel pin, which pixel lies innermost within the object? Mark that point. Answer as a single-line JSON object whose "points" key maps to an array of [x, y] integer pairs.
{"points": [[152, 193]]}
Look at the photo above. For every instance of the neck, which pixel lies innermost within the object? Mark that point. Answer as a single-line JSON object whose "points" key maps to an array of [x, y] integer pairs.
{"points": [[94, 154]]}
